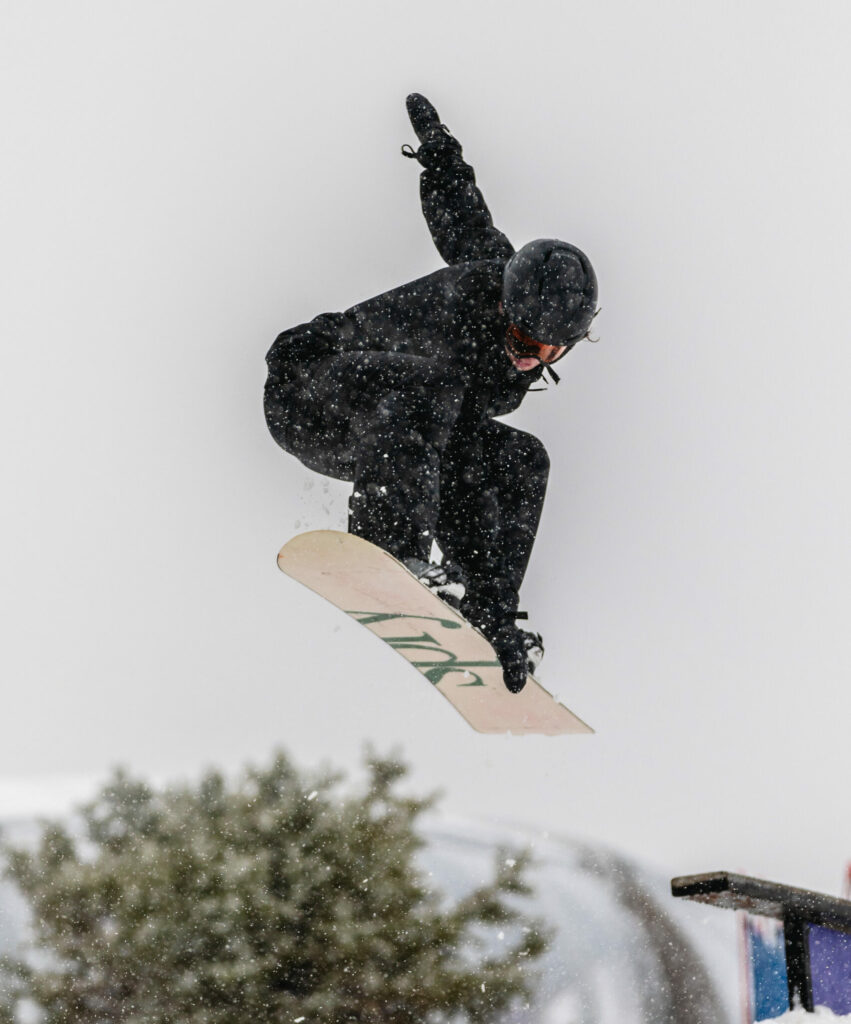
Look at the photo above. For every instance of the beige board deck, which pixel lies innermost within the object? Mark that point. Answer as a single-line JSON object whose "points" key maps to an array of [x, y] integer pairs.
{"points": [[374, 589]]}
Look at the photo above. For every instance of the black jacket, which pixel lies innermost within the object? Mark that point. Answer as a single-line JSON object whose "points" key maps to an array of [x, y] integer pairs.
{"points": [[451, 317]]}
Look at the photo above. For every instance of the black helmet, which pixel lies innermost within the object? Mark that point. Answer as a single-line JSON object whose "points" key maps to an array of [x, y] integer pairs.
{"points": [[549, 291]]}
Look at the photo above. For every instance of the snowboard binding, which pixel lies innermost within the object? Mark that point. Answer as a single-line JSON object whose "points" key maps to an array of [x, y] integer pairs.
{"points": [[447, 581]]}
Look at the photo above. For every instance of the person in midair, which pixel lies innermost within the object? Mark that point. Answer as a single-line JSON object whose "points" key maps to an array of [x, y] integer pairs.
{"points": [[400, 394]]}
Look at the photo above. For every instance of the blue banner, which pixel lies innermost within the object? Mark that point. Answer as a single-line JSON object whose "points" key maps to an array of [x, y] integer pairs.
{"points": [[766, 954]]}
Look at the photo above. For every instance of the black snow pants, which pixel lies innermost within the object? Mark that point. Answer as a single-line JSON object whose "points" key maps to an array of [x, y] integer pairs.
{"points": [[399, 427]]}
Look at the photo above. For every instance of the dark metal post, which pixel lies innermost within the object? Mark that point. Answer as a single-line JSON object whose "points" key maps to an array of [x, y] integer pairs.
{"points": [[796, 936]]}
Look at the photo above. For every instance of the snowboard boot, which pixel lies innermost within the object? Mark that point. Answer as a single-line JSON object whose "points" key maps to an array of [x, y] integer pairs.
{"points": [[447, 581], [507, 642], [492, 609]]}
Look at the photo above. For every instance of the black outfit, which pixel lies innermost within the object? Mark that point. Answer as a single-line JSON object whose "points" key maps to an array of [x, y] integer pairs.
{"points": [[398, 395]]}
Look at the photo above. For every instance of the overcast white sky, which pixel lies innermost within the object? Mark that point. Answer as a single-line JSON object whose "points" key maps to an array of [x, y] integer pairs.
{"points": [[184, 180]]}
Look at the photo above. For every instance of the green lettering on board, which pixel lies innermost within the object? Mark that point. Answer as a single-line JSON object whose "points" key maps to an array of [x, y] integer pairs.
{"points": [[441, 661]]}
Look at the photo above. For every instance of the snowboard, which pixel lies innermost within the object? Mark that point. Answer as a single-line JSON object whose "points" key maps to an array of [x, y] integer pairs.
{"points": [[377, 591]]}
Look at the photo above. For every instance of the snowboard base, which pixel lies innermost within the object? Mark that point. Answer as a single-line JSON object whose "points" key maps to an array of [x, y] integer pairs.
{"points": [[377, 591]]}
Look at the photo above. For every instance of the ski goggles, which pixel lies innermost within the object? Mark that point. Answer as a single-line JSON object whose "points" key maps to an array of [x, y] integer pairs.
{"points": [[524, 347]]}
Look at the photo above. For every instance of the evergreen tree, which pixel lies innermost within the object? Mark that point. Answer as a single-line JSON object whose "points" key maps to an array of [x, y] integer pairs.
{"points": [[9, 990], [276, 898]]}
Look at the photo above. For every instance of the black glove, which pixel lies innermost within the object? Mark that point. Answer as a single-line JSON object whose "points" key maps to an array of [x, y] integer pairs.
{"points": [[424, 118], [437, 146]]}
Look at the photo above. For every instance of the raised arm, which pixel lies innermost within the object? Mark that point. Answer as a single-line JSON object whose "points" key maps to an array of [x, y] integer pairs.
{"points": [[454, 208]]}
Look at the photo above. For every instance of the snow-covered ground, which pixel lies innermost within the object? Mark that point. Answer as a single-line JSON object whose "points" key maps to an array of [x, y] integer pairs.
{"points": [[801, 1017]]}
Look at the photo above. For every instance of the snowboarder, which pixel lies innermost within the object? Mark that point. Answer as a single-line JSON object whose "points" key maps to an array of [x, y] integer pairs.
{"points": [[398, 395]]}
